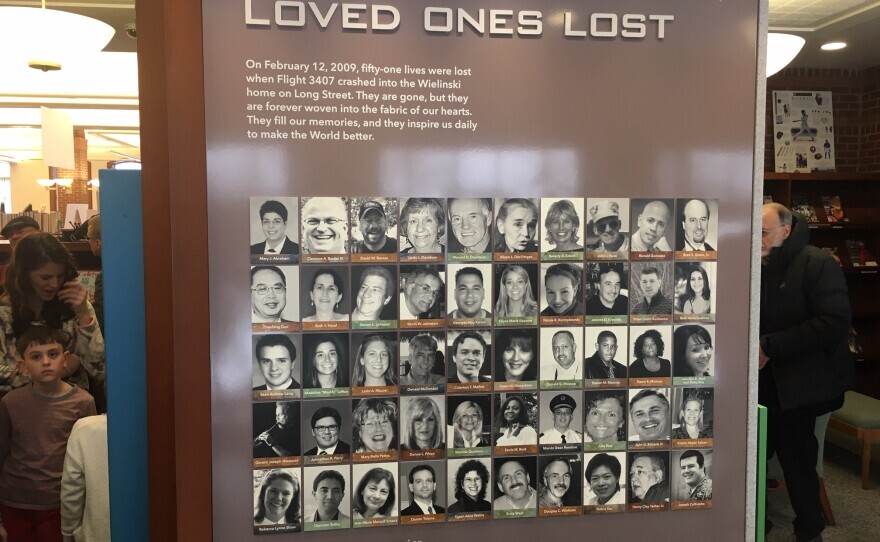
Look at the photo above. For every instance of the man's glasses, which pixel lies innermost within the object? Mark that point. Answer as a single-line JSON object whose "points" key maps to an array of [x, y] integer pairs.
{"points": [[262, 289], [611, 225], [326, 428], [424, 289]]}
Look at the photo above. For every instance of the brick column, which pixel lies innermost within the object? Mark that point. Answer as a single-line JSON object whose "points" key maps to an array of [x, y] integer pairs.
{"points": [[78, 191]]}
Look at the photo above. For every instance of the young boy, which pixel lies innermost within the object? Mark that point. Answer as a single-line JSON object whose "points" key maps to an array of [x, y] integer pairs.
{"points": [[35, 422]]}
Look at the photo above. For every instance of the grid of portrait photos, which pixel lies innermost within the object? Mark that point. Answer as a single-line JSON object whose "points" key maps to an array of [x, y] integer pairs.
{"points": [[424, 360]]}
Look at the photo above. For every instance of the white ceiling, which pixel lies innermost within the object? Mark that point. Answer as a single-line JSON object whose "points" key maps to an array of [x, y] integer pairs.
{"points": [[100, 94]]}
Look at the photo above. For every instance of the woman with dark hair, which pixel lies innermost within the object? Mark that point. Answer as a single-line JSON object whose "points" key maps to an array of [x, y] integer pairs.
{"points": [[424, 426], [326, 366], [514, 354], [374, 422], [423, 223], [693, 351], [466, 430], [374, 364], [471, 483], [516, 226], [690, 419], [278, 502], [42, 288], [647, 351], [561, 226], [698, 294], [325, 294], [512, 423], [605, 419], [375, 496], [515, 296]]}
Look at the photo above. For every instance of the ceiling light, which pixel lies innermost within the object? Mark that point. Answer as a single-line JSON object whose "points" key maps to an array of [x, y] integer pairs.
{"points": [[833, 46], [94, 183], [66, 183], [45, 38], [46, 183], [781, 50]]}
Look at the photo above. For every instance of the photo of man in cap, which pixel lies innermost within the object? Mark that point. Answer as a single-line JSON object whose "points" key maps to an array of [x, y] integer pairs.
{"points": [[562, 406], [606, 222], [373, 227]]}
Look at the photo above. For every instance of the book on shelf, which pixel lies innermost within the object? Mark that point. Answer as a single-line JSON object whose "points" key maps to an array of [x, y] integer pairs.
{"points": [[859, 254], [833, 209], [801, 205], [49, 222]]}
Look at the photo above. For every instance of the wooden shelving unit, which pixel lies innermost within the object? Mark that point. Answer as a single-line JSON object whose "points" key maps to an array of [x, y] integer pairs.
{"points": [[860, 198]]}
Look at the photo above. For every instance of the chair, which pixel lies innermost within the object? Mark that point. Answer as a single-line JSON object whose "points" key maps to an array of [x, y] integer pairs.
{"points": [[774, 470]]}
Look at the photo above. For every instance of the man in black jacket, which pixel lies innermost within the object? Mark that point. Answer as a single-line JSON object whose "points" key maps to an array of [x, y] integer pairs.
{"points": [[804, 360]]}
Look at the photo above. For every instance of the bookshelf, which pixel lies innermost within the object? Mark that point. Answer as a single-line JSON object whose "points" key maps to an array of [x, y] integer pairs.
{"points": [[860, 198]]}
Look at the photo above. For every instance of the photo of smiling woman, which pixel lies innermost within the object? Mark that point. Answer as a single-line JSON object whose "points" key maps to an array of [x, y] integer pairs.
{"points": [[373, 428], [516, 227], [516, 359], [694, 302], [605, 420], [563, 293], [323, 297], [563, 229], [468, 488], [467, 433], [374, 499], [516, 419], [516, 289], [695, 413], [325, 365], [375, 364], [692, 355], [277, 501], [422, 427], [605, 482], [422, 229]]}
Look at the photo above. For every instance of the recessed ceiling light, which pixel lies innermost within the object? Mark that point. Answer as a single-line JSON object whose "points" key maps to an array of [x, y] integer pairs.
{"points": [[833, 46]]}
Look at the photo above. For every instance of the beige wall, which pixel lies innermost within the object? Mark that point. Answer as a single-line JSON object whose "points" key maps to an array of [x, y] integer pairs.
{"points": [[24, 185]]}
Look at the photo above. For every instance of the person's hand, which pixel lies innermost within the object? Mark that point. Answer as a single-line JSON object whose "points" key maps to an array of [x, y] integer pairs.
{"points": [[265, 437], [74, 294], [762, 358]]}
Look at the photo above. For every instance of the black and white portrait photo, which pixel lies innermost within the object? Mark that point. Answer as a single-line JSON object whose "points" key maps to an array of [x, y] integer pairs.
{"points": [[374, 426], [326, 498], [652, 227], [326, 429], [652, 293], [422, 229], [422, 363], [516, 358], [693, 361], [563, 237], [695, 291], [422, 426], [515, 489], [276, 366], [650, 415], [324, 297], [374, 495], [607, 228], [277, 500], [605, 481], [470, 355], [325, 364], [562, 359], [694, 411], [605, 353], [605, 419], [559, 483], [693, 478], [470, 220], [374, 363], [270, 286], [516, 420], [697, 228], [649, 352], [374, 229], [469, 430], [516, 225], [470, 293], [516, 294], [324, 223], [423, 491], [607, 287], [373, 295], [649, 479], [562, 293], [469, 489], [560, 422], [276, 430], [422, 292], [271, 239]]}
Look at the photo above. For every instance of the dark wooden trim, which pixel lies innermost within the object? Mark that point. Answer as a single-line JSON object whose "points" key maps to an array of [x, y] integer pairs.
{"points": [[172, 103]]}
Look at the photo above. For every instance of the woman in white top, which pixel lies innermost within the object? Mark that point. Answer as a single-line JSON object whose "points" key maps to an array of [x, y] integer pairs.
{"points": [[512, 423]]}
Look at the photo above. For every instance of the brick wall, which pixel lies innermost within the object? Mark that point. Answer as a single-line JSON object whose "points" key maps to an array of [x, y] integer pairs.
{"points": [[78, 191], [847, 88], [870, 134]]}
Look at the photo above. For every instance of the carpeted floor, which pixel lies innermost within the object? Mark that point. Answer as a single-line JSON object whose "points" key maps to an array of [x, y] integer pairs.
{"points": [[856, 510]]}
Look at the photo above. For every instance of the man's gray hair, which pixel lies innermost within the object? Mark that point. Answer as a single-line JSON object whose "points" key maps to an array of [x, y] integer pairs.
{"points": [[781, 210]]}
